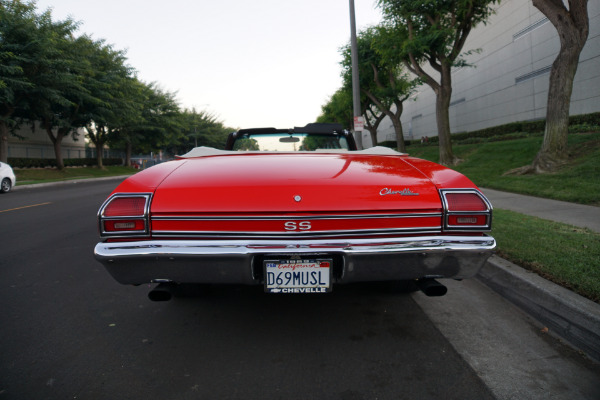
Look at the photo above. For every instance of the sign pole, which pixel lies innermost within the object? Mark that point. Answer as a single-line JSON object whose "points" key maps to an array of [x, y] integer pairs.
{"points": [[355, 80]]}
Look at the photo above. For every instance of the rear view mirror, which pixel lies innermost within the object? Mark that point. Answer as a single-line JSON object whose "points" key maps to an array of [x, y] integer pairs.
{"points": [[289, 139]]}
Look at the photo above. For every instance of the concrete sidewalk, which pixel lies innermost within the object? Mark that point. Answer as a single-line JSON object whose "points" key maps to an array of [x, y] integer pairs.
{"points": [[565, 313], [559, 211], [70, 182]]}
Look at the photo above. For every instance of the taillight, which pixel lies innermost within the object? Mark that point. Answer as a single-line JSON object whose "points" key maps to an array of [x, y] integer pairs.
{"points": [[125, 206], [465, 202], [125, 215], [465, 210]]}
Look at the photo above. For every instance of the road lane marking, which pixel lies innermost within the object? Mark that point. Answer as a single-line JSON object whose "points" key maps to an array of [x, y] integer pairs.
{"points": [[20, 208]]}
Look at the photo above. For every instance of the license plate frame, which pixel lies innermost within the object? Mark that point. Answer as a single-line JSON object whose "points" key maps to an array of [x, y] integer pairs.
{"points": [[303, 275]]}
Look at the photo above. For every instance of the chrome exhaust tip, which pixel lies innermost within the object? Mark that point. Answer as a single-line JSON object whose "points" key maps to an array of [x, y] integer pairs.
{"points": [[162, 292], [431, 287]]}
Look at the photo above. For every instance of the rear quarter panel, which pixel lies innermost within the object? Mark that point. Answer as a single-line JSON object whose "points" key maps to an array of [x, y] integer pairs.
{"points": [[442, 177], [148, 180]]}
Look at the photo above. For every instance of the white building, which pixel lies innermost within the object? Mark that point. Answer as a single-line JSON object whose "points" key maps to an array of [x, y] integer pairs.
{"points": [[36, 144], [509, 80]]}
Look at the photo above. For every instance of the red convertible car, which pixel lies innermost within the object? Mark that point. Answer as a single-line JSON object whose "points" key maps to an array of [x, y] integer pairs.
{"points": [[297, 211]]}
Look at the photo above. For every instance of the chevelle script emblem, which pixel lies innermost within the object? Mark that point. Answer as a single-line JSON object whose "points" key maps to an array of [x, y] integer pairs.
{"points": [[404, 192]]}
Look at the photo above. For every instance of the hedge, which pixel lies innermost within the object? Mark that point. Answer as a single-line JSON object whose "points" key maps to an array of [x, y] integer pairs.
{"points": [[392, 144], [51, 163], [577, 123]]}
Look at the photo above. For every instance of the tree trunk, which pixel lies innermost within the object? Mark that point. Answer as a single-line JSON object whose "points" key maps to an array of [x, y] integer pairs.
{"points": [[373, 121], [553, 153], [397, 123], [572, 27], [97, 136], [394, 117], [99, 151], [399, 133], [58, 154], [373, 132], [57, 144], [3, 142], [443, 93], [128, 154]]}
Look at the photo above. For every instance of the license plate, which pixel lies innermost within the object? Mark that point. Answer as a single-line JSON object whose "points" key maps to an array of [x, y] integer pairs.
{"points": [[298, 276]]}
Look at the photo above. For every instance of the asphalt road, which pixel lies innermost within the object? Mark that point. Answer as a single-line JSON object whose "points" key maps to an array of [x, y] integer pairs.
{"points": [[69, 331]]}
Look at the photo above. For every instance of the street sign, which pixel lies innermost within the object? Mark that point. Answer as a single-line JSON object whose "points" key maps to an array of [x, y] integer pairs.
{"points": [[359, 124]]}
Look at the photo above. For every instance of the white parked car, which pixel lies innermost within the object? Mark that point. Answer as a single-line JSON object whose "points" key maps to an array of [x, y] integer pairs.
{"points": [[7, 178]]}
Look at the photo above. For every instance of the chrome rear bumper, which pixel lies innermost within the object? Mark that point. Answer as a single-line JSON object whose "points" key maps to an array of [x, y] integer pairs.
{"points": [[240, 262]]}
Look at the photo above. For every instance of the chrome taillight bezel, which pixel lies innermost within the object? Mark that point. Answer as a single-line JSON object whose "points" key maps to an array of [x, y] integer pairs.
{"points": [[487, 213], [144, 217]]}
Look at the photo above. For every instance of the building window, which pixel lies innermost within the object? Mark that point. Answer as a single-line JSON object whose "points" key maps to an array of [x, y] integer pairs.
{"points": [[533, 74], [529, 29]]}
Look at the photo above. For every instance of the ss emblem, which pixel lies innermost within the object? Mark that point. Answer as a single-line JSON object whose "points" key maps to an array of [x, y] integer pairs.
{"points": [[297, 226]]}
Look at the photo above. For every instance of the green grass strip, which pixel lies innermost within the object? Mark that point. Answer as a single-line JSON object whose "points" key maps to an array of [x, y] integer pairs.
{"points": [[486, 164], [562, 253]]}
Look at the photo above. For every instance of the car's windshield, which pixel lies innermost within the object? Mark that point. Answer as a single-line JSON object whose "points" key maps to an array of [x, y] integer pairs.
{"points": [[289, 142]]}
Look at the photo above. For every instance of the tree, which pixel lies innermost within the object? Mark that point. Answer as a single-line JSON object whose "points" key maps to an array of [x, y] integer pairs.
{"points": [[212, 131], [17, 29], [382, 80], [23, 49], [573, 27], [338, 108], [130, 129], [433, 33], [161, 118], [47, 76], [57, 85], [63, 83], [373, 118], [152, 117], [110, 83]]}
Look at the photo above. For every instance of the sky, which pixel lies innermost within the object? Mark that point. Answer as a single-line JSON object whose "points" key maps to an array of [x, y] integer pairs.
{"points": [[249, 63]]}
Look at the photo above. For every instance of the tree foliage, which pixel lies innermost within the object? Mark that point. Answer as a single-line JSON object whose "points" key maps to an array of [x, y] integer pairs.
{"points": [[383, 83], [66, 83], [338, 108], [429, 36], [58, 89], [199, 128], [27, 53]]}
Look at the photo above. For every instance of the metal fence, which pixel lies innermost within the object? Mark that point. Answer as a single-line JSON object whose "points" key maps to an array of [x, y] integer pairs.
{"points": [[30, 150]]}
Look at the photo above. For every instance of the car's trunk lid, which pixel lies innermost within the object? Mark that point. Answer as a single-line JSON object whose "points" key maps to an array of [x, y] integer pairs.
{"points": [[294, 183]]}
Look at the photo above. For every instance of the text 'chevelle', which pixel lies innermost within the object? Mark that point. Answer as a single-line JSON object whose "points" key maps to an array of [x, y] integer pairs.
{"points": [[297, 211]]}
